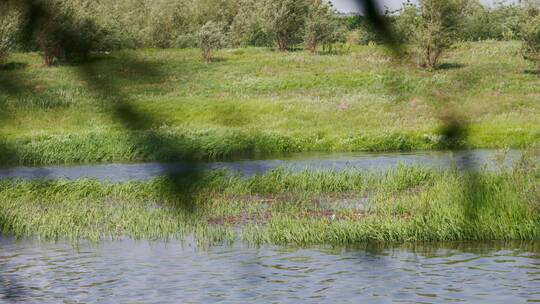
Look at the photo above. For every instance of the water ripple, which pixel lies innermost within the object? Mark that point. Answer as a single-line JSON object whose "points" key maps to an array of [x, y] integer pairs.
{"points": [[140, 272]]}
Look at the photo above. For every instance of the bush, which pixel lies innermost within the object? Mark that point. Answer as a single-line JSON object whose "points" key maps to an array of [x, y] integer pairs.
{"points": [[248, 27], [531, 40], [322, 26], [501, 22], [9, 29], [436, 30], [114, 24], [186, 41], [285, 20], [476, 22], [5, 43], [407, 22], [211, 37], [168, 22], [61, 35]]}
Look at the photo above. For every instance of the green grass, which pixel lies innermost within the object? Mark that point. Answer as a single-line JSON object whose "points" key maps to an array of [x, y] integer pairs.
{"points": [[406, 204], [148, 105]]}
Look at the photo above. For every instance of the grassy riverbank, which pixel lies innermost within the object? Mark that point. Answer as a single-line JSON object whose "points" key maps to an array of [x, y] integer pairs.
{"points": [[407, 204], [149, 105]]}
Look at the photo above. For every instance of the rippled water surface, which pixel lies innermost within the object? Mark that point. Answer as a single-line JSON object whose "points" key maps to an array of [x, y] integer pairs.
{"points": [[142, 272], [294, 162]]}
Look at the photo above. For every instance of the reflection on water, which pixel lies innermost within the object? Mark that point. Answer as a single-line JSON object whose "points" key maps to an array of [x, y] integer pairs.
{"points": [[141, 272], [249, 167]]}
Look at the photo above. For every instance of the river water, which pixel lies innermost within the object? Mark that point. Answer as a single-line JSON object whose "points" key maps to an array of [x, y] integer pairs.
{"points": [[141, 272], [249, 167]]}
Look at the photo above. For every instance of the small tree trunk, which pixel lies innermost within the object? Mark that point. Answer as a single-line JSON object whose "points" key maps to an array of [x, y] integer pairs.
{"points": [[435, 58], [427, 56], [283, 43], [206, 54], [312, 46]]}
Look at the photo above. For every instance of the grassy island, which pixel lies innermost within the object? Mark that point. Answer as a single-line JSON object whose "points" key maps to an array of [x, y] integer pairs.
{"points": [[405, 204]]}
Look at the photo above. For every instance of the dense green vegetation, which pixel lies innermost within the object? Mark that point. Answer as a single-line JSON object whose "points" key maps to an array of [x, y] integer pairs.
{"points": [[65, 30], [248, 101], [120, 81], [407, 204], [531, 39]]}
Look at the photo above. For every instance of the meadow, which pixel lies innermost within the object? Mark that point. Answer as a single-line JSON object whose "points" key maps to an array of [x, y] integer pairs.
{"points": [[167, 105]]}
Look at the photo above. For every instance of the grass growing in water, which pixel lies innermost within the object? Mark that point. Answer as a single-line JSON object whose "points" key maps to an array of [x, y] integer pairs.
{"points": [[258, 101], [406, 204]]}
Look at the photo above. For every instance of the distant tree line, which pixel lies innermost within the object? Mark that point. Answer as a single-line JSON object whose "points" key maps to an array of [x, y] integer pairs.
{"points": [[103, 25]]}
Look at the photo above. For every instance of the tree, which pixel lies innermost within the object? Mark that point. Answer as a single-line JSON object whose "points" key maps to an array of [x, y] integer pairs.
{"points": [[167, 21], [53, 28], [531, 37], [407, 22], [437, 28], [285, 19], [211, 37], [248, 27], [500, 22], [322, 26]]}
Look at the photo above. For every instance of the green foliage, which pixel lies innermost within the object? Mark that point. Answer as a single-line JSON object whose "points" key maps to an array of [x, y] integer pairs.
{"points": [[248, 27], [531, 40], [353, 22], [357, 37], [61, 38], [437, 26], [286, 19], [407, 22], [322, 26], [211, 37], [531, 37], [476, 22], [10, 18], [6, 43], [168, 21], [59, 33], [502, 22]]}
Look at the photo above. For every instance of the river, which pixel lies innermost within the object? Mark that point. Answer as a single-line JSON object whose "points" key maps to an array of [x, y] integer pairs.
{"points": [[363, 161], [128, 271]]}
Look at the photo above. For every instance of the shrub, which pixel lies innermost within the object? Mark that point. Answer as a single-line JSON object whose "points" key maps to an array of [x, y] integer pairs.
{"points": [[407, 22], [354, 37], [63, 36], [476, 22], [211, 37], [501, 22], [9, 29], [285, 20], [186, 41], [531, 40], [436, 30], [322, 26], [167, 22], [248, 27], [5, 43]]}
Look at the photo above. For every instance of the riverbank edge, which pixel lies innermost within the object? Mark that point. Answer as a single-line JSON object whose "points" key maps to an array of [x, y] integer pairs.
{"points": [[403, 205], [153, 146]]}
